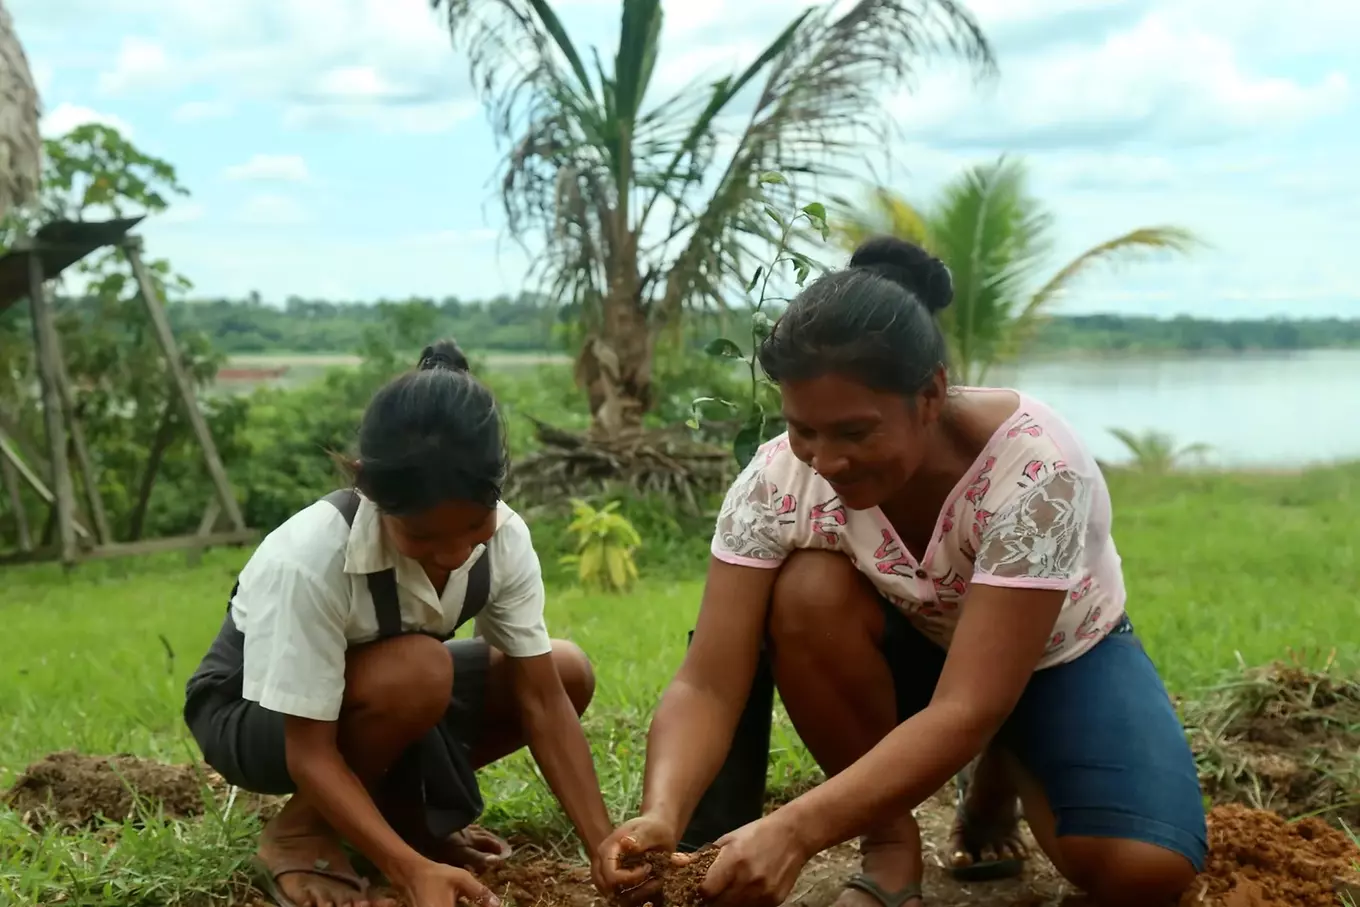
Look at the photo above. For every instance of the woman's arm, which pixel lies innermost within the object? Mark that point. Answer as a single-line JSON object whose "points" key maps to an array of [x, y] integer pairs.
{"points": [[693, 726], [559, 746], [999, 640]]}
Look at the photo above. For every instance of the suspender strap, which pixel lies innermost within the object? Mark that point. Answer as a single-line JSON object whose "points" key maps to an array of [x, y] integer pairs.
{"points": [[478, 589], [381, 585]]}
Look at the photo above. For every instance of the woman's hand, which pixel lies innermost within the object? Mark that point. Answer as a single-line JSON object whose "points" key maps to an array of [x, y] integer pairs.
{"points": [[757, 865], [633, 838], [434, 884]]}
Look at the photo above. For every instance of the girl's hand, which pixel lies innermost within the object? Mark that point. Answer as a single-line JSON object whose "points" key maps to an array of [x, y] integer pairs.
{"points": [[757, 865], [437, 885]]}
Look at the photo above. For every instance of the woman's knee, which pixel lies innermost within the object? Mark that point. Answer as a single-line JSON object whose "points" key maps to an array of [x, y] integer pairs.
{"points": [[408, 678], [1116, 872], [578, 675], [818, 592]]}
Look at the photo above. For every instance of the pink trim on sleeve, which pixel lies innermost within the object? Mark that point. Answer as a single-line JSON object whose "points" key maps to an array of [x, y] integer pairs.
{"points": [[1062, 584], [728, 557]]}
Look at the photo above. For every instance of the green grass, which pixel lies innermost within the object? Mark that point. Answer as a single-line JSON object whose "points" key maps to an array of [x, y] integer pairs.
{"points": [[1219, 567]]}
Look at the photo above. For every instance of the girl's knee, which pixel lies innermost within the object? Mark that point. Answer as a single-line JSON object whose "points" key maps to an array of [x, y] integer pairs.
{"points": [[1116, 872], [405, 676], [576, 671]]}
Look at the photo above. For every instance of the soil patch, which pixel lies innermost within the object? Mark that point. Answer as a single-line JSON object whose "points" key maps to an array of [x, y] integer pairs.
{"points": [[70, 790], [1284, 738], [1259, 859], [541, 881]]}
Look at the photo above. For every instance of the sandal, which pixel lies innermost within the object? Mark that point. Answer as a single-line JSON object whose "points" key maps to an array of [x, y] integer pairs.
{"points": [[979, 871], [267, 878], [861, 882]]}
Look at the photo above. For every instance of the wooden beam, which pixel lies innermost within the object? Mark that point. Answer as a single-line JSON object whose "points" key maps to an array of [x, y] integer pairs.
{"points": [[44, 333], [9, 477], [132, 249], [172, 543], [10, 453], [90, 479], [165, 433]]}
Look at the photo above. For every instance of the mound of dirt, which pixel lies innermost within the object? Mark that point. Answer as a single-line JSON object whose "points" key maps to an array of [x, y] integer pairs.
{"points": [[1284, 738], [1259, 859], [68, 789], [542, 882]]}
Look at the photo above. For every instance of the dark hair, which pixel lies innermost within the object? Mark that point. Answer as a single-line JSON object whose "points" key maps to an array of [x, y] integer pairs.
{"points": [[872, 321], [431, 435]]}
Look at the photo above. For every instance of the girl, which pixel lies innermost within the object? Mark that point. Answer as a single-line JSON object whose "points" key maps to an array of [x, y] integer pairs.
{"points": [[934, 573], [334, 680]]}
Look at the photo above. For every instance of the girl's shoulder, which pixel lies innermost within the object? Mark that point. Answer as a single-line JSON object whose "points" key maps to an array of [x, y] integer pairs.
{"points": [[314, 539], [511, 546]]}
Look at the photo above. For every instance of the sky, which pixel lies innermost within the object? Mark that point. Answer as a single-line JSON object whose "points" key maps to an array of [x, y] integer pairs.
{"points": [[336, 148]]}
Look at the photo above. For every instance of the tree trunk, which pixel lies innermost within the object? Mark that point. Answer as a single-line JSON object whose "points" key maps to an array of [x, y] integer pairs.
{"points": [[615, 363]]}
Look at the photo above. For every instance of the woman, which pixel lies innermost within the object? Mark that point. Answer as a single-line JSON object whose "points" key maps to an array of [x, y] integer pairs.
{"points": [[332, 679], [934, 573]]}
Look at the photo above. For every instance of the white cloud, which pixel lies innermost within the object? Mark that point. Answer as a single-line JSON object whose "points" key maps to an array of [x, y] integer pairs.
{"points": [[1159, 81], [141, 64], [65, 117], [427, 119], [270, 210], [281, 168], [183, 213], [198, 111]]}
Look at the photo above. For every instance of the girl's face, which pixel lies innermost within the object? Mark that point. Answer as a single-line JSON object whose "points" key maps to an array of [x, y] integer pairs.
{"points": [[444, 536], [867, 444]]}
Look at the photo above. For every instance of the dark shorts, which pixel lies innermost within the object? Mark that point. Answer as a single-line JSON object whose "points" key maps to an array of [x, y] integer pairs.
{"points": [[244, 743], [1099, 734]]}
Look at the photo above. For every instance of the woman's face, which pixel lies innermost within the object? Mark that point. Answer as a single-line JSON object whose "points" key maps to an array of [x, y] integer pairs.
{"points": [[865, 443], [443, 537]]}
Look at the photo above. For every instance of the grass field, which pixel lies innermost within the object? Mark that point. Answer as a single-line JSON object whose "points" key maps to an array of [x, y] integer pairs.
{"points": [[1220, 568]]}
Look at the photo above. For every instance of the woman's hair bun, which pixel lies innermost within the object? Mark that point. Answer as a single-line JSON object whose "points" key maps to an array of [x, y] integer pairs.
{"points": [[445, 354], [910, 267]]}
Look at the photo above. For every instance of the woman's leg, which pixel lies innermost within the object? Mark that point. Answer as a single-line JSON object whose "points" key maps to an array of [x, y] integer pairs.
{"points": [[827, 632], [395, 692], [1107, 778]]}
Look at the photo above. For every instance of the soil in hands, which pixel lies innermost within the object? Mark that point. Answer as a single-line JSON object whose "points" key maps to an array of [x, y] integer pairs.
{"points": [[1283, 737], [1260, 859], [68, 790], [680, 883]]}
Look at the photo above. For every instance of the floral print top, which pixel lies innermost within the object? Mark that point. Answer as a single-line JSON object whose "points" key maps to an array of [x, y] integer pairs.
{"points": [[1033, 512]]}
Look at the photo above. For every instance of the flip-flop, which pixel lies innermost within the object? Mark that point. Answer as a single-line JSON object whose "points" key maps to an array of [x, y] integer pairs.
{"points": [[982, 870], [267, 878], [861, 882]]}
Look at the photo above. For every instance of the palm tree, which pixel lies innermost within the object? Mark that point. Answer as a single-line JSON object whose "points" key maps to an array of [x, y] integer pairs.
{"points": [[995, 237], [20, 145], [637, 211], [1157, 451]]}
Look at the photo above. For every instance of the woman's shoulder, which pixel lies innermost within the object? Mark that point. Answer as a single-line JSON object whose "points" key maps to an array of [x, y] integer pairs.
{"points": [[1036, 433], [775, 462]]}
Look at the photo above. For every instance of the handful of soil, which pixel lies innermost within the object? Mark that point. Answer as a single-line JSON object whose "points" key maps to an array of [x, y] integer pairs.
{"points": [[679, 883]]}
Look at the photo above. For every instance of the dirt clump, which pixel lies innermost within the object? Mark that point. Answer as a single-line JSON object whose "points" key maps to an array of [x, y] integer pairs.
{"points": [[542, 881], [1284, 737], [1259, 859], [70, 790], [680, 881]]}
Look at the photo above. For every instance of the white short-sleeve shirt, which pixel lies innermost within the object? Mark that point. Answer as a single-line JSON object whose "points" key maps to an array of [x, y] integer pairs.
{"points": [[1033, 512], [303, 600]]}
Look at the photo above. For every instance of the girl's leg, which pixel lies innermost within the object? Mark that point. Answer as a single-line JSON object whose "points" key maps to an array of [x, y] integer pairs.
{"points": [[395, 692], [827, 629], [1107, 778], [497, 730]]}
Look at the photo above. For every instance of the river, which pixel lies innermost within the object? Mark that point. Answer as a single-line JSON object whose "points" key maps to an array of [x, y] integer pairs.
{"points": [[1254, 410]]}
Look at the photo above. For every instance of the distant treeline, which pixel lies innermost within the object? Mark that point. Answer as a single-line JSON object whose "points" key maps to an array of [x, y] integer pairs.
{"points": [[526, 324]]}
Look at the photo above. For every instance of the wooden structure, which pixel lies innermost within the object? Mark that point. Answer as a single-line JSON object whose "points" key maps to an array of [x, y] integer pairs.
{"points": [[70, 534]]}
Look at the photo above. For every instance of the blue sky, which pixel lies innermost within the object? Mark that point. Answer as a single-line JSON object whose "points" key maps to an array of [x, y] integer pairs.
{"points": [[335, 148]]}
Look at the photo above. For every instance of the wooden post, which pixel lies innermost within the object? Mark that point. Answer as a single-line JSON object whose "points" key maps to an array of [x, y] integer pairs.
{"points": [[82, 451], [9, 477], [132, 249], [10, 452], [44, 333], [164, 434]]}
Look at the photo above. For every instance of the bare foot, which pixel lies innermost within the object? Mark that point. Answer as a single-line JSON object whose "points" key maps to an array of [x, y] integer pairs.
{"points": [[307, 863], [474, 848], [987, 827], [891, 860]]}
